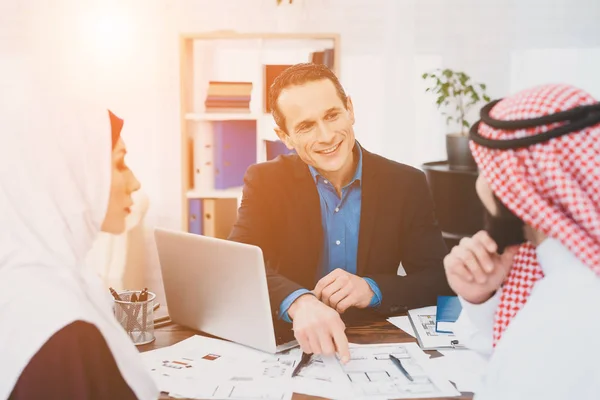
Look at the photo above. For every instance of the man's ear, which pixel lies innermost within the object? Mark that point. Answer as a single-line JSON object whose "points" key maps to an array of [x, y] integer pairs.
{"points": [[350, 109], [285, 138]]}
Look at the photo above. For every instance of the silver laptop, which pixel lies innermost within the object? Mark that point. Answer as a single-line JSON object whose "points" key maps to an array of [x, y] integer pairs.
{"points": [[219, 287]]}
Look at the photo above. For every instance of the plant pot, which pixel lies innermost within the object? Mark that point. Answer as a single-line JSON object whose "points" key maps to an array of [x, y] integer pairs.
{"points": [[459, 153]]}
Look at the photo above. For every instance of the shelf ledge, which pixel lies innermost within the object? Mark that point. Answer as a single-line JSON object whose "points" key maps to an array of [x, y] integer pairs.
{"points": [[215, 194], [221, 116]]}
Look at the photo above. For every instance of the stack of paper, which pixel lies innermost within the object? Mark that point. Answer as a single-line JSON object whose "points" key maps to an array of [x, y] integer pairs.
{"points": [[201, 367]]}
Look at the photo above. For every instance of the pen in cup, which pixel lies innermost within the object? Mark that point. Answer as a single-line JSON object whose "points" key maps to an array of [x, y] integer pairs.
{"points": [[144, 298], [130, 320], [115, 294]]}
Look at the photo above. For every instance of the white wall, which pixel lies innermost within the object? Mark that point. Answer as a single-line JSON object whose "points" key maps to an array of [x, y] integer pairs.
{"points": [[386, 45]]}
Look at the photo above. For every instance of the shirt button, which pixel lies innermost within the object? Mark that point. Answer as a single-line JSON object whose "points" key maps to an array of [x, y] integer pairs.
{"points": [[337, 242], [326, 181], [337, 209]]}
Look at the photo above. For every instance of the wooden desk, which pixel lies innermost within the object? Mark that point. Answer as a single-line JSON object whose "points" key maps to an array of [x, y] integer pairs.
{"points": [[363, 332]]}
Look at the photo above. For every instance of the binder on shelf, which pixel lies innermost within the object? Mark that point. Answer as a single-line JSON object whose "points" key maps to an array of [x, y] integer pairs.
{"points": [[271, 72], [276, 148], [202, 158], [209, 217], [323, 57], [195, 216], [448, 310], [328, 58], [212, 217], [235, 151]]}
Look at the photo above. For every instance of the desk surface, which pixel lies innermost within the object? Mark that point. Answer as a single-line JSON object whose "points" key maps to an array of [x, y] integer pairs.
{"points": [[363, 332]]}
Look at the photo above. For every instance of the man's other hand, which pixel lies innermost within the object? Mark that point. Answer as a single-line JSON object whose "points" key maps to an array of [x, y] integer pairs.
{"points": [[341, 290]]}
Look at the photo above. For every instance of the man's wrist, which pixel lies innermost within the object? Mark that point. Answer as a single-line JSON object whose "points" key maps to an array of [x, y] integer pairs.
{"points": [[375, 293], [307, 297]]}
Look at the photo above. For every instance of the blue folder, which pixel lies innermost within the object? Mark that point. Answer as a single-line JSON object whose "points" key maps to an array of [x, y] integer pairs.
{"points": [[195, 215], [235, 151], [448, 310]]}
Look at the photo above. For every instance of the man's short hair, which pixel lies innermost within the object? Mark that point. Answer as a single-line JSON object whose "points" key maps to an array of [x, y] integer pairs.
{"points": [[300, 74]]}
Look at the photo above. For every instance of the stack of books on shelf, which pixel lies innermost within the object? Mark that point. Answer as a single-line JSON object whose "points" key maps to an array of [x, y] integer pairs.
{"points": [[228, 97]]}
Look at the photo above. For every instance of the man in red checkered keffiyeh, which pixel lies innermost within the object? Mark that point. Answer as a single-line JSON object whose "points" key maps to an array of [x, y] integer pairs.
{"points": [[539, 158], [551, 186]]}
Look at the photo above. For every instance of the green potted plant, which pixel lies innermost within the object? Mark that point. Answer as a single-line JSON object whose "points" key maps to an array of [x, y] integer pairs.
{"points": [[456, 95]]}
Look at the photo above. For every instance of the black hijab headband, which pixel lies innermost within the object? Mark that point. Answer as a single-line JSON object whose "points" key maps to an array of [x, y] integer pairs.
{"points": [[116, 125], [578, 118]]}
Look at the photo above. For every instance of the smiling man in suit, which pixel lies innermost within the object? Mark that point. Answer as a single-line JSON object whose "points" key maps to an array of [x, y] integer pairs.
{"points": [[335, 221]]}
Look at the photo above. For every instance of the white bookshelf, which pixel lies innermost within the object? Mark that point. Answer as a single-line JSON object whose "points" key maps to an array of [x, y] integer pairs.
{"points": [[231, 56]]}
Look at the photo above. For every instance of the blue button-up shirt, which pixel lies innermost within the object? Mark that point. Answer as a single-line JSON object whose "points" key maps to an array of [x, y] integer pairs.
{"points": [[340, 218]]}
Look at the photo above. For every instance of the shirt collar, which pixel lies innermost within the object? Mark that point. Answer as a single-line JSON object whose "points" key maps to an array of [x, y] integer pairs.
{"points": [[357, 174]]}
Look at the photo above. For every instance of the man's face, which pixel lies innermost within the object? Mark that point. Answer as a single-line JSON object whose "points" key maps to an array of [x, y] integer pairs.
{"points": [[486, 195], [500, 223], [319, 125]]}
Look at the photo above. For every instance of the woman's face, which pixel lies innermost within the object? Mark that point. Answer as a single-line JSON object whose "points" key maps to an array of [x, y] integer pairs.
{"points": [[123, 184]]}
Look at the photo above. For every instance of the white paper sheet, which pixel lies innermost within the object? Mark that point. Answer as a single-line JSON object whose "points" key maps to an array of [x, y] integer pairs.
{"points": [[403, 323], [373, 375], [466, 368], [423, 320], [201, 367]]}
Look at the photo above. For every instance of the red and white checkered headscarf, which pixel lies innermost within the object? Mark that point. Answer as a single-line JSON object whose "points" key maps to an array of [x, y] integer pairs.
{"points": [[552, 186]]}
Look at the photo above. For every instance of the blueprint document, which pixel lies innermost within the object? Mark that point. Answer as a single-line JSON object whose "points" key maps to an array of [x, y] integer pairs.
{"points": [[373, 374], [323, 376], [370, 374]]}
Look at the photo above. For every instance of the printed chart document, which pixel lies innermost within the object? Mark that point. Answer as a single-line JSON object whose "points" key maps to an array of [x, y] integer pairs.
{"points": [[423, 323], [201, 367], [372, 373]]}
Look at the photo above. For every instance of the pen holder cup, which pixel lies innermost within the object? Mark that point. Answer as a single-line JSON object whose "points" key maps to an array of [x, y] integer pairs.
{"points": [[137, 318]]}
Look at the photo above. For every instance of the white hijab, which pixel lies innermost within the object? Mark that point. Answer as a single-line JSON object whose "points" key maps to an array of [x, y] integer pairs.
{"points": [[55, 171], [54, 191]]}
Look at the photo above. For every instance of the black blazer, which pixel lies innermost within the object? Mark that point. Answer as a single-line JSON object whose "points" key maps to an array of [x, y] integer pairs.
{"points": [[280, 212]]}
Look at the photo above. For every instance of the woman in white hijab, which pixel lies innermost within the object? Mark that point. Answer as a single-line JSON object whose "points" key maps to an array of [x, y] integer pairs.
{"points": [[61, 182], [63, 179]]}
